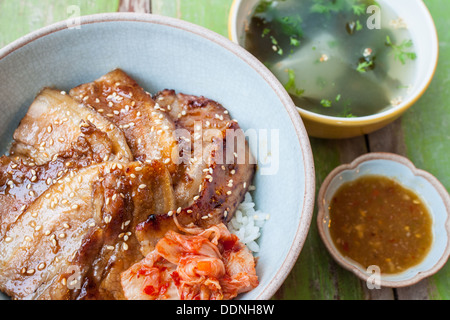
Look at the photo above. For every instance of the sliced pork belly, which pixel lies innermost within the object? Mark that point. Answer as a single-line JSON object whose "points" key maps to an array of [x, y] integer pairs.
{"points": [[211, 155], [22, 182], [215, 174], [54, 121], [77, 237], [149, 132]]}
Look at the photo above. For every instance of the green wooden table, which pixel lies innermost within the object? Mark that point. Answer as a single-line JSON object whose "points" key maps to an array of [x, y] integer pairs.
{"points": [[422, 134]]}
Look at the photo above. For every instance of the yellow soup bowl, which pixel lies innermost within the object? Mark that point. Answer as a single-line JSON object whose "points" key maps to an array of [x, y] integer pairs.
{"points": [[424, 36]]}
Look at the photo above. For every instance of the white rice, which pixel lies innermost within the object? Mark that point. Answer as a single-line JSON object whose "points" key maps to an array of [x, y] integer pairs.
{"points": [[247, 222]]}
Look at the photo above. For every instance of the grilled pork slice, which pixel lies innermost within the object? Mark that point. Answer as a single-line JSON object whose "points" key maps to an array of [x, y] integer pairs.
{"points": [[149, 132], [54, 121], [212, 143], [77, 237], [22, 182], [216, 170]]}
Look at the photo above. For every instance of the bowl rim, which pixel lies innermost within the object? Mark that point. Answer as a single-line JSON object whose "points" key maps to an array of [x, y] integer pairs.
{"points": [[388, 114], [344, 262], [308, 202]]}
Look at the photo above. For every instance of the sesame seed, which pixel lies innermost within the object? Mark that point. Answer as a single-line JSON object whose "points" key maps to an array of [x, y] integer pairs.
{"points": [[31, 272], [142, 186], [41, 266], [49, 129], [124, 246], [179, 210], [196, 198], [8, 239], [62, 235]]}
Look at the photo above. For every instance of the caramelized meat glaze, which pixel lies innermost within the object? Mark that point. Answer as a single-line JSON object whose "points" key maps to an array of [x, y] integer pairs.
{"points": [[97, 176]]}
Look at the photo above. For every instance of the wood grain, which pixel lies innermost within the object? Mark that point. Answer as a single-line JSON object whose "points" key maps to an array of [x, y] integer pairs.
{"points": [[18, 18], [139, 6], [212, 14]]}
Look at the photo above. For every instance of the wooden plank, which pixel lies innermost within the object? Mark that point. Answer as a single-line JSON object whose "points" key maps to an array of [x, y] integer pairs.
{"points": [[426, 128], [423, 135], [18, 18], [139, 6], [316, 276], [212, 14]]}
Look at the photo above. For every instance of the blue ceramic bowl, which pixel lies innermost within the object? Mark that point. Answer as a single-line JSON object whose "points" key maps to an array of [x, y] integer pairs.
{"points": [[160, 53]]}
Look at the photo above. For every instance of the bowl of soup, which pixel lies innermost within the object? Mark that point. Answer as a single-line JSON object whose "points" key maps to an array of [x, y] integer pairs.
{"points": [[350, 66], [385, 220]]}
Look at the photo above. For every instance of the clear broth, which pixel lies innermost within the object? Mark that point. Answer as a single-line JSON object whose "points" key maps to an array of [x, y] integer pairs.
{"points": [[328, 59]]}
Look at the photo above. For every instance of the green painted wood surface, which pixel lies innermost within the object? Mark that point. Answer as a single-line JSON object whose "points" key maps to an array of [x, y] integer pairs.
{"points": [[426, 127], [422, 134], [18, 18], [212, 14]]}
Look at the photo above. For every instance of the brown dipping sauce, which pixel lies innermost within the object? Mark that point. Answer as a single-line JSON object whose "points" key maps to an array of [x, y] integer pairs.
{"points": [[376, 221]]}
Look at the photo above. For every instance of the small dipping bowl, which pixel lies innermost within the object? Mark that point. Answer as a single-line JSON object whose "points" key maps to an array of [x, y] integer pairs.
{"points": [[432, 193]]}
